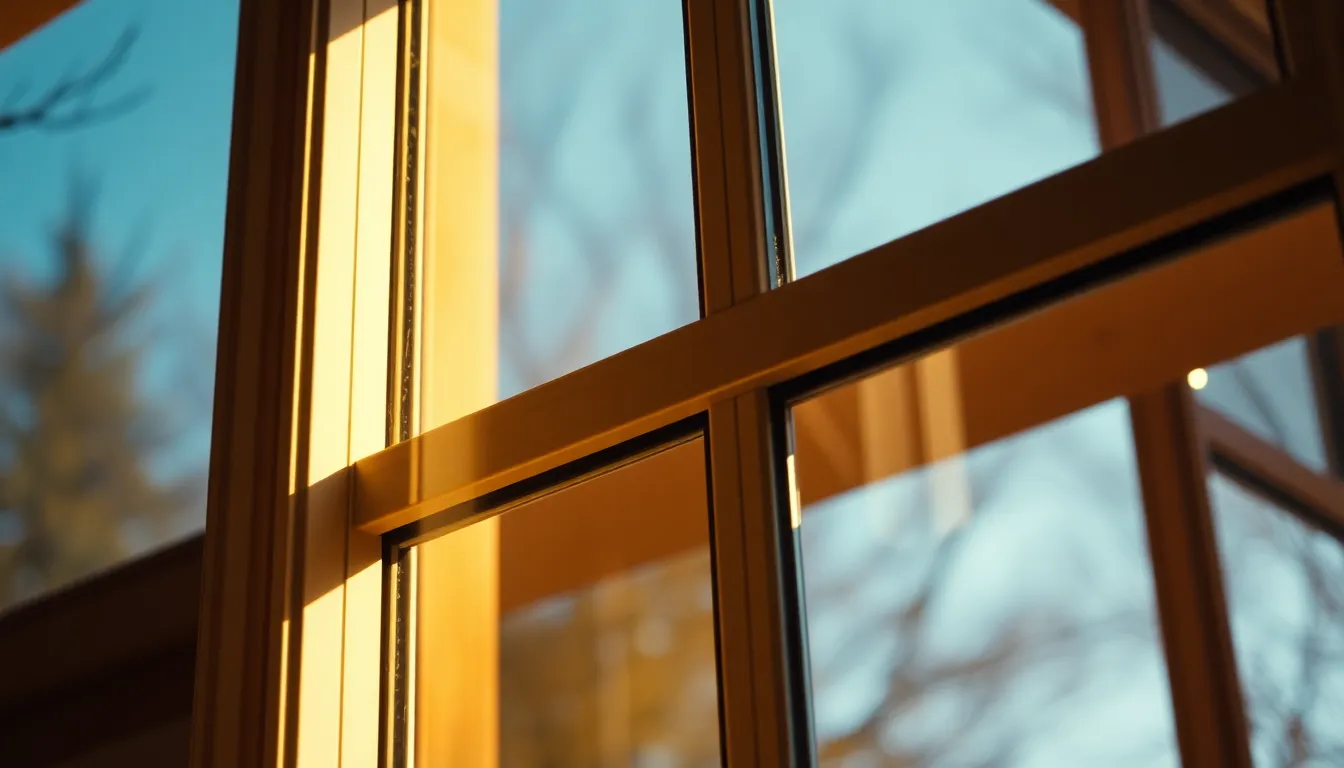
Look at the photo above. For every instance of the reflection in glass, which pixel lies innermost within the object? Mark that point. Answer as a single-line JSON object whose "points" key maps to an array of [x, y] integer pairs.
{"points": [[605, 625], [114, 144], [993, 606], [1182, 90], [1270, 392], [900, 114], [1195, 70], [558, 185], [1285, 597]]}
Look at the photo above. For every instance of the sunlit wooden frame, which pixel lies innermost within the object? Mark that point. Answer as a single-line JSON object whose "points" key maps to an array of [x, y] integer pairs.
{"points": [[290, 598]]}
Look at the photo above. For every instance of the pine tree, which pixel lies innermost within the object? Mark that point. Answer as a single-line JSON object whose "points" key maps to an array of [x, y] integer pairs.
{"points": [[77, 436]]}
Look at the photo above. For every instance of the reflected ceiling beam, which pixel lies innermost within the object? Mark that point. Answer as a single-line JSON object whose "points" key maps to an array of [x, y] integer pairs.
{"points": [[22, 17], [1069, 8], [1158, 186], [1134, 335], [1226, 39], [1226, 299]]}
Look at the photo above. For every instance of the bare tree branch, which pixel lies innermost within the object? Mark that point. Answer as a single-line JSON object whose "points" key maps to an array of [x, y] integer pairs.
{"points": [[72, 101]]}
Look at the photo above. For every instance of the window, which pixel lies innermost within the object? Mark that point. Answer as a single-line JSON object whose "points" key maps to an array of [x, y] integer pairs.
{"points": [[1284, 577], [985, 602], [897, 115], [557, 218], [115, 142], [1272, 393], [972, 538], [1277, 516], [1205, 54], [1077, 296], [591, 628]]}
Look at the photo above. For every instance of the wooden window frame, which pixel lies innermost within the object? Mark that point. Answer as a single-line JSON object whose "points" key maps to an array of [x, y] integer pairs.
{"points": [[292, 519], [261, 564]]}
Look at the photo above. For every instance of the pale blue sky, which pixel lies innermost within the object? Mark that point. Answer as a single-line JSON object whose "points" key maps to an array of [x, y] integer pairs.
{"points": [[163, 167], [162, 174]]}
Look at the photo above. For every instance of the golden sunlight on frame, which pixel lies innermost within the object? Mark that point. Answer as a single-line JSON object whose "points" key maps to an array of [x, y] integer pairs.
{"points": [[340, 615], [457, 577], [323, 525]]}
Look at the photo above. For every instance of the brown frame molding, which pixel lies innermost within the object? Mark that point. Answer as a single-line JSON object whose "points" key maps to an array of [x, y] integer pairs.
{"points": [[1249, 459], [24, 17], [1206, 31], [101, 660], [239, 707]]}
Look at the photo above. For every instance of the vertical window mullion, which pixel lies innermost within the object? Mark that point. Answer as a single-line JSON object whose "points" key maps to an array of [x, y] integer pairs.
{"points": [[1201, 665], [739, 220], [1206, 694], [1327, 372]]}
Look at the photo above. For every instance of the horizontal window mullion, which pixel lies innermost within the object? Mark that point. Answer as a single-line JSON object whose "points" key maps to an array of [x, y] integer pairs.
{"points": [[1265, 144], [1270, 470]]}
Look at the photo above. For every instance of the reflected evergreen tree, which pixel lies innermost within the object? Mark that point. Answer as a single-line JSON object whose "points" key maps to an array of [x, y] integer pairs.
{"points": [[77, 437]]}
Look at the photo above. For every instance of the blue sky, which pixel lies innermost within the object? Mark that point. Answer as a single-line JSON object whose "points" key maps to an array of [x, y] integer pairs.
{"points": [[162, 175], [162, 168]]}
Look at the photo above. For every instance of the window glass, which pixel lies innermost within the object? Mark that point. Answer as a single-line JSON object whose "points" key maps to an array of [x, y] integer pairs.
{"points": [[1271, 393], [594, 644], [1199, 66], [114, 140], [1182, 90], [898, 114], [976, 576], [557, 188], [994, 602], [1285, 595]]}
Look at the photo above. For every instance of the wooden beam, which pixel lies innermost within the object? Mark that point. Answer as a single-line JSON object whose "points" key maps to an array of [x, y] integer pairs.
{"points": [[456, 702], [239, 689], [25, 17], [566, 541], [1268, 470], [1128, 337], [1202, 667], [1070, 8], [1125, 99], [1269, 142]]}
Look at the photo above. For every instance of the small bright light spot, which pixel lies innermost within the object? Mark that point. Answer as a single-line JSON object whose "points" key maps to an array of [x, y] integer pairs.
{"points": [[1198, 378]]}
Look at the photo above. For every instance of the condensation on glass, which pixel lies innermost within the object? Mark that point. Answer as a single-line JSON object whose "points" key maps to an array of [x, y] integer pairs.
{"points": [[897, 115], [584, 638], [114, 140], [1205, 55], [558, 221]]}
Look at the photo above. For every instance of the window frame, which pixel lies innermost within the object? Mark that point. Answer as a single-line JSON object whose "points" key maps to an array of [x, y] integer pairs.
{"points": [[287, 522]]}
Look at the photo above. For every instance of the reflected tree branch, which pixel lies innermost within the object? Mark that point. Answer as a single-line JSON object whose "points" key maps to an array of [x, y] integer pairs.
{"points": [[71, 102]]}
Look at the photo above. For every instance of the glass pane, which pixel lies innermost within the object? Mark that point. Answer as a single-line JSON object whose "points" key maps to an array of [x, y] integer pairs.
{"points": [[600, 615], [1285, 597], [1270, 392], [558, 187], [115, 156], [996, 602], [1197, 68], [976, 576], [900, 114]]}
